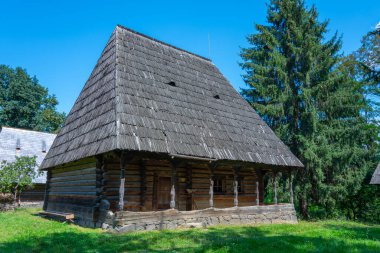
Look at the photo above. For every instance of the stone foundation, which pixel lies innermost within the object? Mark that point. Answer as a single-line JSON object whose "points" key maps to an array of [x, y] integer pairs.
{"points": [[171, 219], [34, 204], [7, 207]]}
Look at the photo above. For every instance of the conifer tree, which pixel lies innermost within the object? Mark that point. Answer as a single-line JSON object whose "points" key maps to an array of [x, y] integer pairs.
{"points": [[296, 82]]}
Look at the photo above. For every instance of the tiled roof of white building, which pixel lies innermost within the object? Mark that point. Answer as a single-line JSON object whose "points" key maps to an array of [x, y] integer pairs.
{"points": [[20, 142]]}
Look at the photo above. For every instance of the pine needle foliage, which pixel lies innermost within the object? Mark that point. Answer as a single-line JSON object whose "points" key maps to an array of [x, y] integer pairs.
{"points": [[297, 82]]}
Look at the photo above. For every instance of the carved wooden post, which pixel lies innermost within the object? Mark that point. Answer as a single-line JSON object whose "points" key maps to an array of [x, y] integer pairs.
{"points": [[257, 192], [291, 187], [174, 179], [275, 188], [172, 196], [122, 181], [154, 197], [142, 184], [189, 188], [236, 192], [212, 170]]}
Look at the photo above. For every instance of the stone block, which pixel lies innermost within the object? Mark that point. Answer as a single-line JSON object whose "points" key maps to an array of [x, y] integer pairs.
{"points": [[193, 225], [126, 228]]}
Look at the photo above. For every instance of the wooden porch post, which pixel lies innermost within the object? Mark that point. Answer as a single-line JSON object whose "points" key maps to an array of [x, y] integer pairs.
{"points": [[189, 188], [291, 187], [155, 185], [174, 180], [123, 161], [212, 171], [275, 188], [236, 192], [142, 184], [259, 181]]}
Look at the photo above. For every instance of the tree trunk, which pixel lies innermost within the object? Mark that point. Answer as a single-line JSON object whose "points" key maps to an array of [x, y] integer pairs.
{"points": [[15, 196], [303, 207], [19, 199]]}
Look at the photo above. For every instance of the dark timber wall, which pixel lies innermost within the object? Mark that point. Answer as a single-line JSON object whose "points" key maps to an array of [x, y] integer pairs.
{"points": [[35, 193], [72, 189], [80, 187], [142, 178]]}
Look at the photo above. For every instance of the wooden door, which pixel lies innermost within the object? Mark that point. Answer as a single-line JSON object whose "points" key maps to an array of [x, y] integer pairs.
{"points": [[163, 193]]}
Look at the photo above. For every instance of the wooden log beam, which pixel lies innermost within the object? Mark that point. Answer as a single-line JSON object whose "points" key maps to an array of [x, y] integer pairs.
{"points": [[99, 187], [59, 216]]}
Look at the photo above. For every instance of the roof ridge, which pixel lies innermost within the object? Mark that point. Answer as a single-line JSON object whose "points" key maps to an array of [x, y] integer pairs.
{"points": [[24, 129], [117, 98], [163, 43]]}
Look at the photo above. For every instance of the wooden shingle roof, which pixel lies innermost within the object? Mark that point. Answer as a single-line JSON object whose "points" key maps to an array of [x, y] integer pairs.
{"points": [[376, 176], [146, 95], [21, 142]]}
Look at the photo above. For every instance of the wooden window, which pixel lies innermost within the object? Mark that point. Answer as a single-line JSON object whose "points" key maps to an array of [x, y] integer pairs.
{"points": [[219, 185]]}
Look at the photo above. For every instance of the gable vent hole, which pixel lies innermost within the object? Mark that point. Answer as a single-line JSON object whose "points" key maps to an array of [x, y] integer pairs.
{"points": [[171, 83], [216, 97]]}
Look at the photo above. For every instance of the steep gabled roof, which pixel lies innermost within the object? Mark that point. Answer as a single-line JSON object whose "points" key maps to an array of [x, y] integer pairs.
{"points": [[376, 176], [150, 96], [21, 142]]}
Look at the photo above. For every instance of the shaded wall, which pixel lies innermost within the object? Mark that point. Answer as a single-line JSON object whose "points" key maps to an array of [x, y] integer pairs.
{"points": [[34, 193]]}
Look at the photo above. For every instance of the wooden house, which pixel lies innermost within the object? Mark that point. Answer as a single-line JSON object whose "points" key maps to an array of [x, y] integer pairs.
{"points": [[158, 138], [376, 176], [21, 142]]}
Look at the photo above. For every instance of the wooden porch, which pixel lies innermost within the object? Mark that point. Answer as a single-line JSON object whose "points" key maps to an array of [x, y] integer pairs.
{"points": [[185, 184]]}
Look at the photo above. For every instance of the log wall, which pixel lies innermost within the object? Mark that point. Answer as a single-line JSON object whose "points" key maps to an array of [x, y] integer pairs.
{"points": [[35, 193], [72, 189], [90, 187], [141, 179]]}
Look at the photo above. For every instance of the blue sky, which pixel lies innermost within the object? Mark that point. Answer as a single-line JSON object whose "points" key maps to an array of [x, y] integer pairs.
{"points": [[60, 41]]}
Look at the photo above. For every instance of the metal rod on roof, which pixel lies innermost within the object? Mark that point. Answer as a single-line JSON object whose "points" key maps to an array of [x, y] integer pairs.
{"points": [[209, 46]]}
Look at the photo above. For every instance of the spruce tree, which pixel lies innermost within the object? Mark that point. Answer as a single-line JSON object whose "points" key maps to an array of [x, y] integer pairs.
{"points": [[296, 82], [363, 66]]}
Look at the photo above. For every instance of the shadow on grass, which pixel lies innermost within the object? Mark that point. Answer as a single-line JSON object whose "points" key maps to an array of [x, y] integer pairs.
{"points": [[231, 239]]}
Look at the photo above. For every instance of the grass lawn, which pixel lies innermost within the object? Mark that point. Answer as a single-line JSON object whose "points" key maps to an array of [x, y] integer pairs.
{"points": [[21, 231]]}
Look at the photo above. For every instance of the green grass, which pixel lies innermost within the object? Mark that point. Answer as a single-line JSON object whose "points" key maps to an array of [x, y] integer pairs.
{"points": [[22, 231]]}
